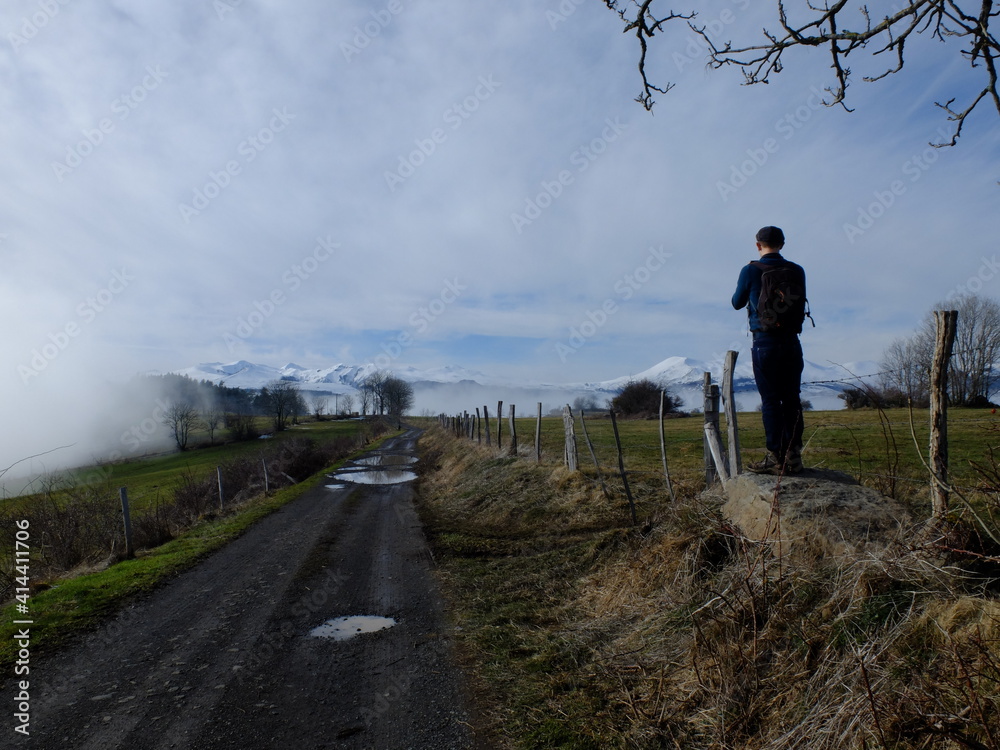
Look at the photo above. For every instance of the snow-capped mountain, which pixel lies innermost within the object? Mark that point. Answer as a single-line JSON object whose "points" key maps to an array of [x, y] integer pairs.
{"points": [[454, 388]]}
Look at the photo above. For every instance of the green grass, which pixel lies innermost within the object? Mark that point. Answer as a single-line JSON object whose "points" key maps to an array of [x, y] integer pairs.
{"points": [[856, 442], [155, 477], [85, 601]]}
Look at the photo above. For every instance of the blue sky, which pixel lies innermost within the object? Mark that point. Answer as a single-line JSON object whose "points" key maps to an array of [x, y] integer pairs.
{"points": [[452, 183]]}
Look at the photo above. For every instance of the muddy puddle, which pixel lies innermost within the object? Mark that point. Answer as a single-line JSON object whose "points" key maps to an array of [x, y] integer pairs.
{"points": [[386, 460], [381, 468], [342, 628]]}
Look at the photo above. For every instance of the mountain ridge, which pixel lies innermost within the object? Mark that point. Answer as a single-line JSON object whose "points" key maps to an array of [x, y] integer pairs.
{"points": [[682, 375]]}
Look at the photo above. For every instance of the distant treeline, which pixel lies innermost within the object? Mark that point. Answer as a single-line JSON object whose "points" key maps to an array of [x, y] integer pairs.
{"points": [[205, 395]]}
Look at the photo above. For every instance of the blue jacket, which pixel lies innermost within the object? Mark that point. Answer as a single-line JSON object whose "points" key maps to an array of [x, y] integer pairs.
{"points": [[748, 287]]}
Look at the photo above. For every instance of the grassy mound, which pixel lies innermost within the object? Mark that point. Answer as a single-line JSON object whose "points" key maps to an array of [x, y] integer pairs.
{"points": [[586, 632]]}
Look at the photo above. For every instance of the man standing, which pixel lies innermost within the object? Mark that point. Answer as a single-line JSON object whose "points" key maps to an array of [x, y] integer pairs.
{"points": [[775, 322]]}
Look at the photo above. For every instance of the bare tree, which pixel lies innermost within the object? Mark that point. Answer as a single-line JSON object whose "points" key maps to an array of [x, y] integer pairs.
{"points": [[320, 405], [905, 369], [346, 404], [365, 396], [374, 384], [180, 419], [213, 417], [972, 376], [842, 28], [397, 396], [282, 400]]}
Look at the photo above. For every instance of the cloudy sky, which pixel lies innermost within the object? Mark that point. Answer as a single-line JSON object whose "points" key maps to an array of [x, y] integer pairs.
{"points": [[470, 183]]}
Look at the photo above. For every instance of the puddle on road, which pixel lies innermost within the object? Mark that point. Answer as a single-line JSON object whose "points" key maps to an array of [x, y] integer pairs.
{"points": [[389, 476], [387, 460], [380, 468], [342, 628], [336, 486]]}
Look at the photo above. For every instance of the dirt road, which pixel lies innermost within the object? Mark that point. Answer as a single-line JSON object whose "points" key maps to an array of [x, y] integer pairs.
{"points": [[222, 657]]}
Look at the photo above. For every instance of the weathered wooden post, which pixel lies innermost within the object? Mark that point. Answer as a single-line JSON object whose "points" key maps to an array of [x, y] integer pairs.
{"points": [[570, 457], [267, 483], [512, 450], [479, 428], [711, 408], [946, 321], [663, 449], [499, 424], [538, 434], [714, 441], [222, 498], [129, 549], [621, 466], [486, 421], [732, 432]]}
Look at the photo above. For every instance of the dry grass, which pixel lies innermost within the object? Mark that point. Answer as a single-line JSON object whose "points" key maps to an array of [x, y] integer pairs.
{"points": [[682, 633]]}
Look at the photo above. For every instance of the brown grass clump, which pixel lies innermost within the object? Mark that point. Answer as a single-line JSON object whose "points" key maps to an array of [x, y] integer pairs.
{"points": [[682, 633]]}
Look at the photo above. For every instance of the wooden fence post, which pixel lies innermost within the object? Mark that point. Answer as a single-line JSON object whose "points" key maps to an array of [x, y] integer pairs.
{"points": [[621, 467], [479, 428], [512, 450], [486, 420], [732, 431], [222, 499], [570, 457], [129, 550], [538, 434], [714, 442], [711, 392], [499, 424], [267, 488], [663, 449], [946, 321]]}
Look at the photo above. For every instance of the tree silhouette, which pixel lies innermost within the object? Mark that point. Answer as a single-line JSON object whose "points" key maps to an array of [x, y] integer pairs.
{"points": [[842, 28]]}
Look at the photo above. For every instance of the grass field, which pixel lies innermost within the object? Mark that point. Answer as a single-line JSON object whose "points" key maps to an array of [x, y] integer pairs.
{"points": [[876, 448], [150, 478]]}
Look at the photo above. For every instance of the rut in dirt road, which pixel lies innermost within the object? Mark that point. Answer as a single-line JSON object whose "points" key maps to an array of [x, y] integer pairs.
{"points": [[222, 657]]}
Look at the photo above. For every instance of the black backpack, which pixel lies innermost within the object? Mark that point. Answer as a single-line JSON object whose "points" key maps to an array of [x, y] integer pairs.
{"points": [[782, 306]]}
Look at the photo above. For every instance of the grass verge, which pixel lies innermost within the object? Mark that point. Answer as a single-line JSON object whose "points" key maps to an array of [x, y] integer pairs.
{"points": [[583, 631]]}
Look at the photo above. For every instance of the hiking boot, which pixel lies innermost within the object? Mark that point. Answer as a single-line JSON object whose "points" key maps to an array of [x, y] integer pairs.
{"points": [[767, 465], [793, 462]]}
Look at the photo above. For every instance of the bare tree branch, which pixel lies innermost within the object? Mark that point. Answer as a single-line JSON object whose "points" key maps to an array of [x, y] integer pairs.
{"points": [[828, 27]]}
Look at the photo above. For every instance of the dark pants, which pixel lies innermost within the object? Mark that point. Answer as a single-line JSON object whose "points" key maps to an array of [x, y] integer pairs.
{"points": [[777, 368]]}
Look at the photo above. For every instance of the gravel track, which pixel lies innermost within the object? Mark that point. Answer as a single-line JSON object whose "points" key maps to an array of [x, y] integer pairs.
{"points": [[221, 657]]}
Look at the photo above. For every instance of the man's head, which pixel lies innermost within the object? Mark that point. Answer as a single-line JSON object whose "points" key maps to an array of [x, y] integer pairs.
{"points": [[770, 239]]}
